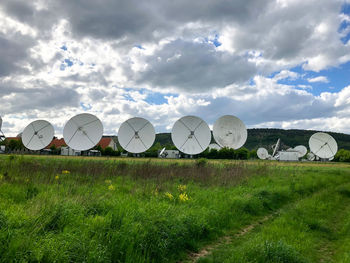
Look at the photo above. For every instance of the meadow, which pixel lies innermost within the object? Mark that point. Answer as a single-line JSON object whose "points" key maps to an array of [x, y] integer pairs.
{"points": [[73, 209]]}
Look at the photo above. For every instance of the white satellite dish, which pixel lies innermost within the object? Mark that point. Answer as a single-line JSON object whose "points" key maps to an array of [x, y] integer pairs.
{"points": [[323, 145], [276, 147], [262, 153], [37, 135], [2, 136], [83, 131], [214, 146], [301, 149], [310, 156], [136, 135], [162, 153], [229, 131], [191, 135]]}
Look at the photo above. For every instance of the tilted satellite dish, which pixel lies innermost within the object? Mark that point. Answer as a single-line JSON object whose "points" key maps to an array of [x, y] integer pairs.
{"points": [[191, 135], [262, 153], [83, 131], [162, 151], [136, 135], [323, 145], [310, 156], [229, 131], [37, 135], [2, 136], [214, 146], [276, 147], [301, 149]]}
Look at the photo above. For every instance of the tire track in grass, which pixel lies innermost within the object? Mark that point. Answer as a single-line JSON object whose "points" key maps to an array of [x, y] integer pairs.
{"points": [[207, 250], [195, 256], [327, 250]]}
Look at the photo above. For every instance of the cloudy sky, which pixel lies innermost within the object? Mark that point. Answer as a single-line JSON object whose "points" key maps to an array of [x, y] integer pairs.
{"points": [[272, 63]]}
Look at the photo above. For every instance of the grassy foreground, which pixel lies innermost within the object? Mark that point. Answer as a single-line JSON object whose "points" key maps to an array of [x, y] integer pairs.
{"points": [[99, 210]]}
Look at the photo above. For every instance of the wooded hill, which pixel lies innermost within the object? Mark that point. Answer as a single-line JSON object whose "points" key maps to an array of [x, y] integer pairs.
{"points": [[267, 137]]}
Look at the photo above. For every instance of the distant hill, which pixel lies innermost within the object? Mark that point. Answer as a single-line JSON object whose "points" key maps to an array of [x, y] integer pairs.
{"points": [[267, 137]]}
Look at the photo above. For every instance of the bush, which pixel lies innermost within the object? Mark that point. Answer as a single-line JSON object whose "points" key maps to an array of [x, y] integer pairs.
{"points": [[342, 156]]}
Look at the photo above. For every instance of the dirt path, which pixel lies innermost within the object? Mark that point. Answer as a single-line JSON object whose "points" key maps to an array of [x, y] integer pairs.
{"points": [[193, 257]]}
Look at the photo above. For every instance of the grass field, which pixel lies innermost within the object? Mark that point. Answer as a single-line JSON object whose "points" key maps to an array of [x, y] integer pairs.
{"points": [[55, 209]]}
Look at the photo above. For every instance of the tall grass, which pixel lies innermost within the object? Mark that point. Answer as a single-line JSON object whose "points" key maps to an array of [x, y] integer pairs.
{"points": [[131, 211]]}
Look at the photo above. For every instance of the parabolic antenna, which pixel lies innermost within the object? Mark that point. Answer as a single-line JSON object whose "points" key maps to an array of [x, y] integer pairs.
{"points": [[2, 136], [162, 151], [310, 156], [230, 132], [83, 131], [276, 147], [262, 153], [37, 135], [301, 149], [136, 135], [323, 145], [191, 135], [214, 146]]}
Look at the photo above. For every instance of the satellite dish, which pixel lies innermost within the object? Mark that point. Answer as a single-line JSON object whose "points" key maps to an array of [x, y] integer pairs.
{"points": [[37, 135], [323, 145], [162, 153], [83, 131], [262, 153], [276, 147], [191, 135], [310, 156], [230, 132], [214, 146], [301, 149], [2, 136], [136, 135]]}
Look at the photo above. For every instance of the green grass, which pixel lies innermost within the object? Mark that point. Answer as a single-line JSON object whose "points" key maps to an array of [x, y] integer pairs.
{"points": [[314, 229], [115, 210]]}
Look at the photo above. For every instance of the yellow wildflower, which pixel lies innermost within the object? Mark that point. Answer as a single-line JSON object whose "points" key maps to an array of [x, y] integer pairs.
{"points": [[111, 187], [169, 195], [57, 177], [1, 176], [183, 197], [65, 172], [108, 182], [182, 187]]}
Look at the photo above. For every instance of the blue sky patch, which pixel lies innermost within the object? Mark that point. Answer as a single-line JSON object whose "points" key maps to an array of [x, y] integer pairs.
{"points": [[85, 106]]}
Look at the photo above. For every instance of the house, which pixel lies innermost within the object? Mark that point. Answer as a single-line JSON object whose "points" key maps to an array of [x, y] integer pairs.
{"points": [[105, 142], [108, 141], [58, 143]]}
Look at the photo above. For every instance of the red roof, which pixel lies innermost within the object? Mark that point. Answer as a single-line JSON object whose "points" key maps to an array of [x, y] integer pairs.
{"points": [[104, 142], [57, 142], [13, 138]]}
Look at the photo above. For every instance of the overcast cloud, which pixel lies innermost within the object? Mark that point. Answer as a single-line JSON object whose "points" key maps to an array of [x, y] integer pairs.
{"points": [[272, 63]]}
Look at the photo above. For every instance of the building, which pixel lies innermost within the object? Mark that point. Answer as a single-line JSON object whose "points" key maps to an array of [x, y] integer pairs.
{"points": [[108, 141], [170, 154]]}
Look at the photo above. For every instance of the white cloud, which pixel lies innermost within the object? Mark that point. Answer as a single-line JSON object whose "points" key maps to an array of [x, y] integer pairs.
{"points": [[208, 59], [322, 79]]}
